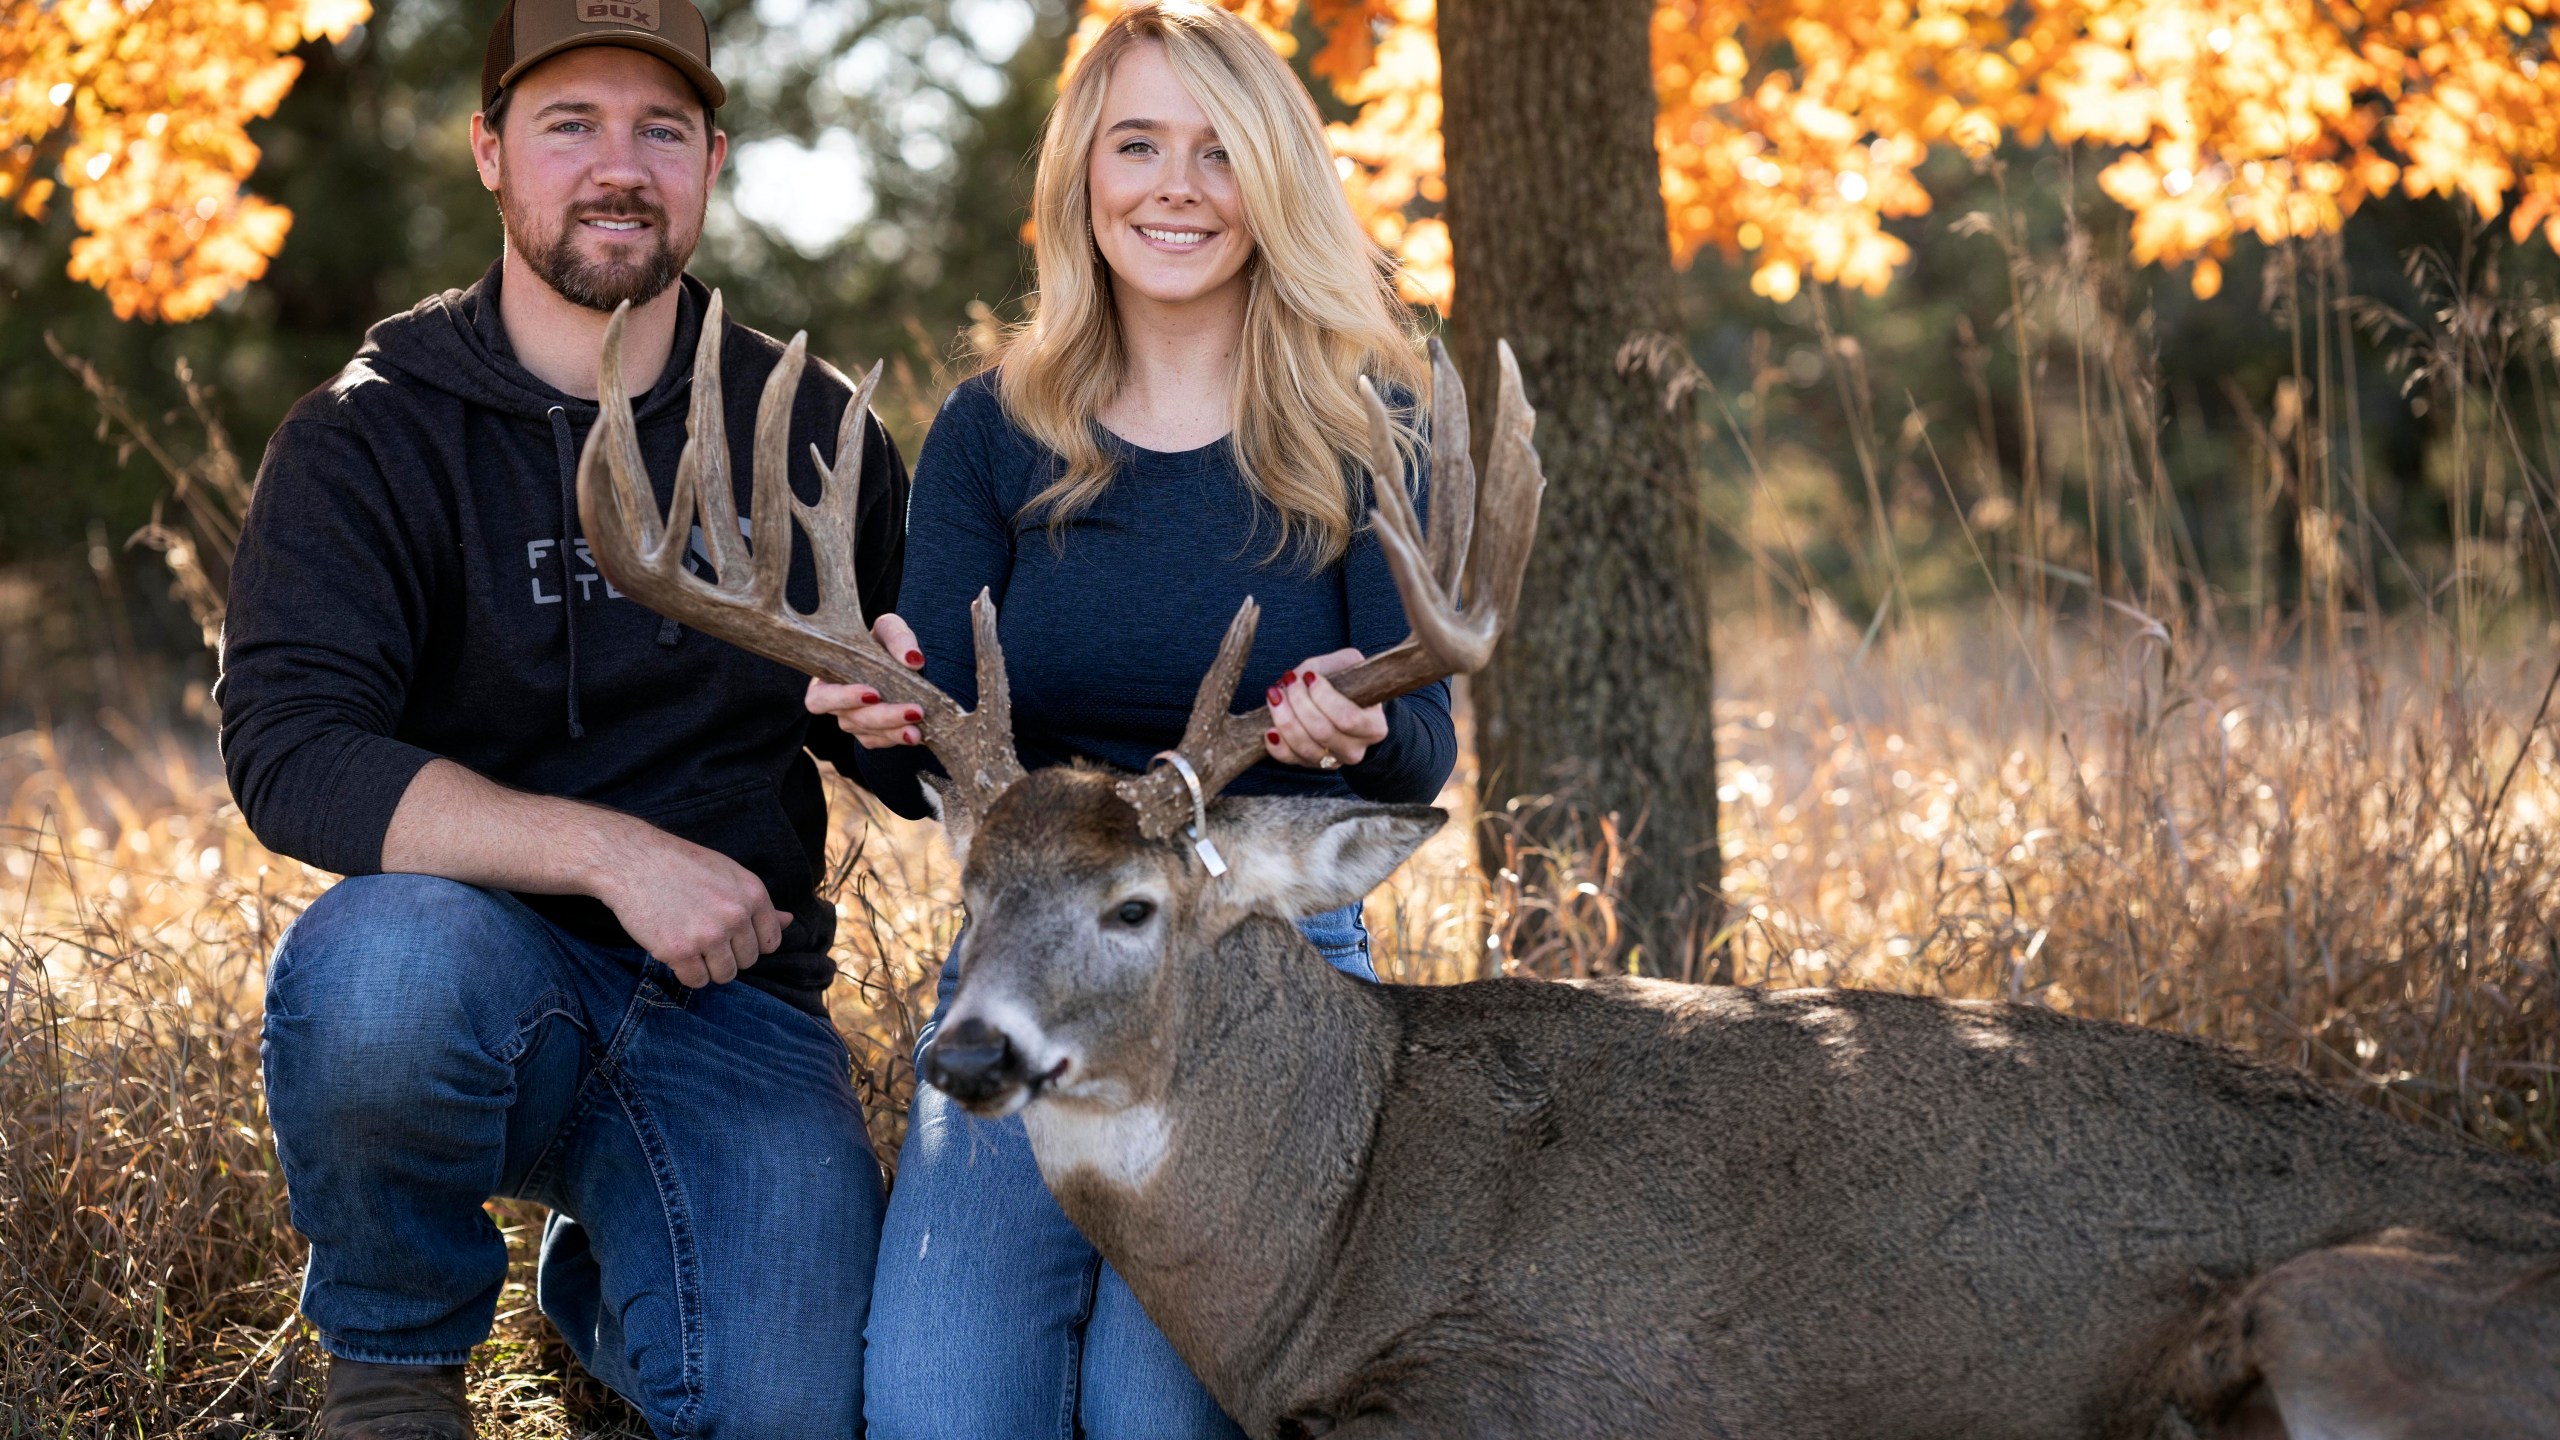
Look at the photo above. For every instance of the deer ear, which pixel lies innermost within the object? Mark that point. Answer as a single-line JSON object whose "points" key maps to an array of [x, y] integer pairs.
{"points": [[1296, 857], [958, 821]]}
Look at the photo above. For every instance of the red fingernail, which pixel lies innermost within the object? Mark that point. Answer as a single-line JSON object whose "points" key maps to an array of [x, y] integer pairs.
{"points": [[1308, 679], [1272, 694], [1288, 678], [914, 714], [908, 735], [915, 657], [870, 697], [1271, 736]]}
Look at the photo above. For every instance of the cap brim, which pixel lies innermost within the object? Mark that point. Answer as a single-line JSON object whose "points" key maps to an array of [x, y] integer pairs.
{"points": [[691, 69]]}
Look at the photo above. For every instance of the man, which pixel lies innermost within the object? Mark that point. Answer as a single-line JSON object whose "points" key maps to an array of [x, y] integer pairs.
{"points": [[580, 954]]}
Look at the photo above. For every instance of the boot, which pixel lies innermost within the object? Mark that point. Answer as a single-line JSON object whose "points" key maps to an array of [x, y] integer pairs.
{"points": [[393, 1402]]}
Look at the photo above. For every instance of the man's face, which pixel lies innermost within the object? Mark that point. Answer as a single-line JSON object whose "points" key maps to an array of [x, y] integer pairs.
{"points": [[602, 173]]}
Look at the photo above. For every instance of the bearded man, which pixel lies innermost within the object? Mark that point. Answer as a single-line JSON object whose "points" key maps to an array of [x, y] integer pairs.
{"points": [[567, 825]]}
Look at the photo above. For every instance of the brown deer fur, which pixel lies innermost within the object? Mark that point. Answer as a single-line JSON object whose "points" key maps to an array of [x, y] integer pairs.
{"points": [[1631, 1208]]}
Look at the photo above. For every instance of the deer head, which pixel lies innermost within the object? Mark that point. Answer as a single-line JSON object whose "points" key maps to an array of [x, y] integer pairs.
{"points": [[1083, 885]]}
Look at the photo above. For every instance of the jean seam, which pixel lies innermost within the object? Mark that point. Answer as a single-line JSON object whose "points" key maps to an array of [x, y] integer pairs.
{"points": [[686, 1267], [546, 1166], [1074, 1388]]}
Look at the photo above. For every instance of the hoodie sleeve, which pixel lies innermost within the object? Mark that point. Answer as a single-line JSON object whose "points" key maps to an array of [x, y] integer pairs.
{"points": [[328, 611]]}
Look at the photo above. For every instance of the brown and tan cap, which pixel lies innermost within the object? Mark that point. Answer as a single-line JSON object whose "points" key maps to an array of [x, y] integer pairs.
{"points": [[529, 32]]}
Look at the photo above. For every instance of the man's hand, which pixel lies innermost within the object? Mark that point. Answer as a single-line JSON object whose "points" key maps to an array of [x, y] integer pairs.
{"points": [[695, 910]]}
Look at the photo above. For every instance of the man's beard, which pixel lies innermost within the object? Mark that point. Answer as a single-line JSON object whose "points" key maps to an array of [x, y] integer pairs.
{"points": [[598, 284]]}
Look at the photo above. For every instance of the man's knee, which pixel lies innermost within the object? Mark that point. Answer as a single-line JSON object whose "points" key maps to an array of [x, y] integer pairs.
{"points": [[379, 979]]}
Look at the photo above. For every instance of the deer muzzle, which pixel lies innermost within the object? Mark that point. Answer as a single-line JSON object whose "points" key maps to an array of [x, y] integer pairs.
{"points": [[976, 1064]]}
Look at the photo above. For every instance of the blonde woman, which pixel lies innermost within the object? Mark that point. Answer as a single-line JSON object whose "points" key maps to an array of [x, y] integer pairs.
{"points": [[1176, 428]]}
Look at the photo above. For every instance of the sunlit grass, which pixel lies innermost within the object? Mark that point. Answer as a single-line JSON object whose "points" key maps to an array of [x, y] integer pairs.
{"points": [[2352, 870]]}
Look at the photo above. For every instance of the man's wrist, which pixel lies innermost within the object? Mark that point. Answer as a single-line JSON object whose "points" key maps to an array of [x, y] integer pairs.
{"points": [[599, 846]]}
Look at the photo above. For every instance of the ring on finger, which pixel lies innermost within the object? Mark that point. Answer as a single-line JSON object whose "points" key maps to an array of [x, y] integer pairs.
{"points": [[1328, 761]]}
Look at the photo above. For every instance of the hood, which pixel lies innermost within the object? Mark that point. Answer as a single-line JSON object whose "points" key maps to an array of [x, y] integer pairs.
{"points": [[456, 343]]}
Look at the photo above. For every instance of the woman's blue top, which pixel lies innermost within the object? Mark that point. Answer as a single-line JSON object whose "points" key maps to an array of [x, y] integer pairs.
{"points": [[1109, 621]]}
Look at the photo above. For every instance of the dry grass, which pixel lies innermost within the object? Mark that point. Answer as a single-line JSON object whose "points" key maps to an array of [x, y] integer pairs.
{"points": [[2353, 870]]}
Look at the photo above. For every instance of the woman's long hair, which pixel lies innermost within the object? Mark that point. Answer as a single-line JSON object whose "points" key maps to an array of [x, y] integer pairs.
{"points": [[1320, 308]]}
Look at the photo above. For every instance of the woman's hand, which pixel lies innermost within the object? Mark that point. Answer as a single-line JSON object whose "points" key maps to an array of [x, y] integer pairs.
{"points": [[1313, 724], [858, 708]]}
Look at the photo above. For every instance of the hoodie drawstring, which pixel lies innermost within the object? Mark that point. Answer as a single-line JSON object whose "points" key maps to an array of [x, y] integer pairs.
{"points": [[568, 543]]}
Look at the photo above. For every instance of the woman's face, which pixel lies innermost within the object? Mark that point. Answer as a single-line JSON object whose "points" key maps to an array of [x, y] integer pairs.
{"points": [[1166, 213]]}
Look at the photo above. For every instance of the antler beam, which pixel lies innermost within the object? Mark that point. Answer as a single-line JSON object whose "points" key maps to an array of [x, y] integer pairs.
{"points": [[642, 552], [1459, 583]]}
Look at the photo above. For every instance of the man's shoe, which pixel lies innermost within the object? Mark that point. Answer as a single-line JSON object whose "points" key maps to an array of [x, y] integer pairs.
{"points": [[393, 1402]]}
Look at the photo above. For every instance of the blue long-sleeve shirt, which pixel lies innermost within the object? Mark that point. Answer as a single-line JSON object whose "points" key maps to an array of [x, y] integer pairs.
{"points": [[1109, 623]]}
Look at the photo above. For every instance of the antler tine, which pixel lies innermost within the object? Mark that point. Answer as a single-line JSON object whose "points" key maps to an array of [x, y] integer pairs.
{"points": [[641, 553], [1453, 473], [703, 488], [1478, 546], [977, 750], [1463, 641], [773, 503], [612, 467], [830, 524], [1513, 485]]}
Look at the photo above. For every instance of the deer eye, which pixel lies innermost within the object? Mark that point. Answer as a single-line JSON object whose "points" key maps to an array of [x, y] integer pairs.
{"points": [[1134, 913]]}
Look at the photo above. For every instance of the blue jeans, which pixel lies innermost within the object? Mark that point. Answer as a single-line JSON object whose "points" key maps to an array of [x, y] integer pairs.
{"points": [[714, 1197], [991, 1316]]}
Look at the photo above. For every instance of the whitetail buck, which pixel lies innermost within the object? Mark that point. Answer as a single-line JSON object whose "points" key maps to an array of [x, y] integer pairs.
{"points": [[1622, 1208]]}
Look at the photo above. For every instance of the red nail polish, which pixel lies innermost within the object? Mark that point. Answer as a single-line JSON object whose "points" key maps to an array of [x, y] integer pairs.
{"points": [[1290, 678], [1308, 679], [914, 714], [1272, 695], [915, 657], [1271, 736], [870, 697]]}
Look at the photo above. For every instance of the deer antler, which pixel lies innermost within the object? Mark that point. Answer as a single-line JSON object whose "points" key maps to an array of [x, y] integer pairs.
{"points": [[642, 553], [1458, 583]]}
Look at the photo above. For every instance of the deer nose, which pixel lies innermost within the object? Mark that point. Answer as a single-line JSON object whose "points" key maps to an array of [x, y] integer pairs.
{"points": [[973, 1061]]}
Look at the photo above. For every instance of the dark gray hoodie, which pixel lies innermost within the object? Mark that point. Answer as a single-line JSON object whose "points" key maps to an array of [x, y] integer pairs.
{"points": [[411, 583]]}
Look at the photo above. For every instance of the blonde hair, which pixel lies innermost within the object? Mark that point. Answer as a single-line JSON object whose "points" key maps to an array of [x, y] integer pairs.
{"points": [[1320, 308]]}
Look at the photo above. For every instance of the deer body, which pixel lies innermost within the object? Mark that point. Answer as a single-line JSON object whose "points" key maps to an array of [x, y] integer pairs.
{"points": [[1632, 1208]]}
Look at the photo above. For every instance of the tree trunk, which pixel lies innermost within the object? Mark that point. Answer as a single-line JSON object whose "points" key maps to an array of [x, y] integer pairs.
{"points": [[1600, 693]]}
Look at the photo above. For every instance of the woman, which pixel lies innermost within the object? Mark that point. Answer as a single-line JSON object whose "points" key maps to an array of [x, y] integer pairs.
{"points": [[1177, 427]]}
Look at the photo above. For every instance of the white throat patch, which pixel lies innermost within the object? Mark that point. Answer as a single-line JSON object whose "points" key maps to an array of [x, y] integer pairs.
{"points": [[1122, 1147]]}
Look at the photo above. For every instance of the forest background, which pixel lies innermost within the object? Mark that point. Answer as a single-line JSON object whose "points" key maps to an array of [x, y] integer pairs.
{"points": [[2122, 455]]}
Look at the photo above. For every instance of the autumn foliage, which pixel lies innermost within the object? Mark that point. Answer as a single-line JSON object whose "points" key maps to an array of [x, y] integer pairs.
{"points": [[1790, 130], [138, 109]]}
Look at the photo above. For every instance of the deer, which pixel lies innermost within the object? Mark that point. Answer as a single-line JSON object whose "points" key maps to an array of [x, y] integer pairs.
{"points": [[1617, 1207]]}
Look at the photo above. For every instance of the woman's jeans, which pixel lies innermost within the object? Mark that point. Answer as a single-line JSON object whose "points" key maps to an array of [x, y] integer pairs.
{"points": [[714, 1197], [990, 1314]]}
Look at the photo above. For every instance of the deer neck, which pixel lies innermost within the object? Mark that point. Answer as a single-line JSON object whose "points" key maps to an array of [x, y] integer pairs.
{"points": [[1236, 1174]]}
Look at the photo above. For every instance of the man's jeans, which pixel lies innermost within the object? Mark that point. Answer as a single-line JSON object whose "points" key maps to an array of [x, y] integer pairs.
{"points": [[715, 1201], [992, 1316]]}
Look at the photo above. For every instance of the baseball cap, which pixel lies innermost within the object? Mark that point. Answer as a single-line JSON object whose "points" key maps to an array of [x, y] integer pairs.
{"points": [[529, 32]]}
